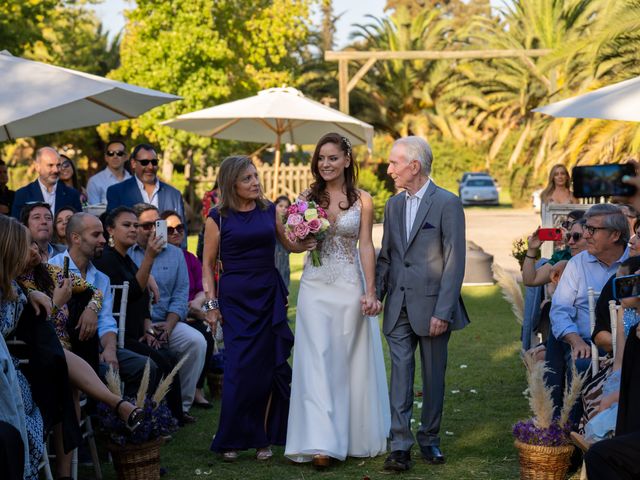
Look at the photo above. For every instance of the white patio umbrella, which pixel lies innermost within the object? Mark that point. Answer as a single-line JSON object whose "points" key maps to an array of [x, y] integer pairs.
{"points": [[620, 101], [274, 116], [37, 98]]}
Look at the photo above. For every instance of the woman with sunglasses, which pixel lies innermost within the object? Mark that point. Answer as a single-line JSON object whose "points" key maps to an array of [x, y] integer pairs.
{"points": [[140, 336], [69, 177], [196, 317]]}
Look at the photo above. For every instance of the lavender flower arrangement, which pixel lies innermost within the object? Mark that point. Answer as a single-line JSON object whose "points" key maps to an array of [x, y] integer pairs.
{"points": [[543, 429], [158, 422]]}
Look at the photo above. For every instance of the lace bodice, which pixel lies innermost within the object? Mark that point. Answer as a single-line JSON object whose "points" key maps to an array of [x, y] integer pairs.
{"points": [[339, 249]]}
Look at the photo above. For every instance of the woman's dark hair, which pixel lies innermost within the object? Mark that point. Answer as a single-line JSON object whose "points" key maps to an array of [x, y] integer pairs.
{"points": [[318, 191], [42, 279], [66, 208], [74, 175], [170, 213], [632, 264], [112, 216], [282, 198], [230, 170], [575, 214]]}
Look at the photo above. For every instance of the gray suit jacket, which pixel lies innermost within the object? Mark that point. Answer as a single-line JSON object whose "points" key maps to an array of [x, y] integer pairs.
{"points": [[424, 273]]}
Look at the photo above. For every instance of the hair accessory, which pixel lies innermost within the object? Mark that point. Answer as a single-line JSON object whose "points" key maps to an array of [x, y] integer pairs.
{"points": [[347, 145]]}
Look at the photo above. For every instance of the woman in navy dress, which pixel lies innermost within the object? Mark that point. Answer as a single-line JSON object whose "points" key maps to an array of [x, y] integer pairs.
{"points": [[241, 230]]}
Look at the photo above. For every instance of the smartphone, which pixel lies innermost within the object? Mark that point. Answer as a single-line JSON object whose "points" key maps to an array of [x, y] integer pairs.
{"points": [[550, 234], [161, 230], [602, 180], [626, 286], [65, 267]]}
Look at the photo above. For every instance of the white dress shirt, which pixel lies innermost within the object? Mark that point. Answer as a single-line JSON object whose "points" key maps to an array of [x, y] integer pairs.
{"points": [[98, 184], [153, 200], [413, 202], [49, 197]]}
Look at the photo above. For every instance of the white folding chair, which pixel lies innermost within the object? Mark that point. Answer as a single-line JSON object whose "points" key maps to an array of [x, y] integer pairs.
{"points": [[593, 297], [121, 314], [613, 316]]}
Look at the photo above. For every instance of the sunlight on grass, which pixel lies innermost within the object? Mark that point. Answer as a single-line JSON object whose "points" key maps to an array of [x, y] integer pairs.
{"points": [[506, 352]]}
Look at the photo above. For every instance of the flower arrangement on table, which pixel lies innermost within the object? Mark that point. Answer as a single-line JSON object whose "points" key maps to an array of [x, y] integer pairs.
{"points": [[158, 421], [304, 219]]}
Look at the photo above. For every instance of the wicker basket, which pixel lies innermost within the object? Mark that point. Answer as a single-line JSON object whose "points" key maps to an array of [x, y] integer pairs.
{"points": [[137, 462], [543, 463]]}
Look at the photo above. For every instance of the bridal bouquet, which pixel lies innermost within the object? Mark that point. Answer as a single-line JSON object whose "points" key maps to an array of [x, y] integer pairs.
{"points": [[305, 218]]}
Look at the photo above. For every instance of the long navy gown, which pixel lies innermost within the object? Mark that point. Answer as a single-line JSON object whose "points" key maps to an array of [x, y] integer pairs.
{"points": [[257, 337]]}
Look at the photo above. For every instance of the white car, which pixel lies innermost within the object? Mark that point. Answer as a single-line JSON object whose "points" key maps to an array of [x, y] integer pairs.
{"points": [[479, 190], [467, 176]]}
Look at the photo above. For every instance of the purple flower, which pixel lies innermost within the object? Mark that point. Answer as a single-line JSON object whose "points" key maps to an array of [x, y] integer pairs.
{"points": [[554, 436]]}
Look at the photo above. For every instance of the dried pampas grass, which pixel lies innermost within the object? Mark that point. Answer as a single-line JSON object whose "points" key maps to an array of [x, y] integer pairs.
{"points": [[539, 395], [144, 386], [511, 291], [113, 381], [571, 393], [165, 384]]}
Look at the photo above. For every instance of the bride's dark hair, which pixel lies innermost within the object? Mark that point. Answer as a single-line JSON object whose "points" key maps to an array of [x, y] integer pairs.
{"points": [[318, 189]]}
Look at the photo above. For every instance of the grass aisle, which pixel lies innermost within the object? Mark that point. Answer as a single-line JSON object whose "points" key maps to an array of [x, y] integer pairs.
{"points": [[482, 401]]}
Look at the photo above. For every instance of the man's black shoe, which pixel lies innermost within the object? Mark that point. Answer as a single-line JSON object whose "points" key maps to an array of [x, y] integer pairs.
{"points": [[398, 461], [432, 454]]}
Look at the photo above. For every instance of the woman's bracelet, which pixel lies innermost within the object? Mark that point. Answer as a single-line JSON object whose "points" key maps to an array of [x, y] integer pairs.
{"points": [[211, 304], [93, 307]]}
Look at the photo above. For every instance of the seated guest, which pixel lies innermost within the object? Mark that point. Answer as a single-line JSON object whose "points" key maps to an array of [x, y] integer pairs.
{"points": [[607, 233], [196, 317], [140, 336], [81, 376], [601, 334], [60, 221], [115, 156], [6, 195], [170, 272], [46, 188], [38, 219], [144, 186], [69, 176]]}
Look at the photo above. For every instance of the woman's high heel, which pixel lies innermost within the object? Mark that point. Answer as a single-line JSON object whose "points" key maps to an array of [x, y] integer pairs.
{"points": [[135, 418]]}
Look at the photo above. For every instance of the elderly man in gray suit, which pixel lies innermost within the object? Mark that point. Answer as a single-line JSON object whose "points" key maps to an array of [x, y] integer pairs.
{"points": [[419, 270]]}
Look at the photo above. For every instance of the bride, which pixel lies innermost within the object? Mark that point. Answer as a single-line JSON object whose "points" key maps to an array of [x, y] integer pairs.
{"points": [[339, 398]]}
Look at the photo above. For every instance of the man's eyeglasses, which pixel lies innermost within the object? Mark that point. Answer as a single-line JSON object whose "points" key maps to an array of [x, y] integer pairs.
{"points": [[177, 229], [575, 236], [147, 225], [144, 163], [113, 153], [591, 230]]}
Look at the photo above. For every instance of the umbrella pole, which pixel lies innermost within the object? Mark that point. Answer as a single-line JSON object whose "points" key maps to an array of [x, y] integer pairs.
{"points": [[276, 169]]}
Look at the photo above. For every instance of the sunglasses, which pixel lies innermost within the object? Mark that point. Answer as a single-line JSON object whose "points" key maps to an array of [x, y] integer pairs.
{"points": [[147, 225], [113, 153], [144, 163], [65, 165], [575, 236], [177, 229]]}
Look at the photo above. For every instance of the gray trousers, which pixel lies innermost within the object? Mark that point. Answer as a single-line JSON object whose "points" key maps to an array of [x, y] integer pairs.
{"points": [[433, 357]]}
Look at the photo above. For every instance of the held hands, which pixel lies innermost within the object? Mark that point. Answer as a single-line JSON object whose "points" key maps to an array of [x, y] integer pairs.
{"points": [[164, 330], [370, 305]]}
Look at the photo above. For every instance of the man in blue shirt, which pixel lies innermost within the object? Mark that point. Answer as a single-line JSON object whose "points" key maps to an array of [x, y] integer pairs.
{"points": [[86, 241], [115, 155], [168, 314]]}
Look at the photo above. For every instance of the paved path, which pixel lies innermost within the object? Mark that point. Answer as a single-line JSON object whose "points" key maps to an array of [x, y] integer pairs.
{"points": [[493, 229]]}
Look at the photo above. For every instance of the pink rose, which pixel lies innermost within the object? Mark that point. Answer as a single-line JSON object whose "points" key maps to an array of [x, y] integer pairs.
{"points": [[322, 213], [302, 206], [291, 236], [293, 209], [295, 219], [301, 231], [314, 225]]}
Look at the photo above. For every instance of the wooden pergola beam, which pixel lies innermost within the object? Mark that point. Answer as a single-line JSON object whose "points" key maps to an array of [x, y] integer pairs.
{"points": [[343, 58]]}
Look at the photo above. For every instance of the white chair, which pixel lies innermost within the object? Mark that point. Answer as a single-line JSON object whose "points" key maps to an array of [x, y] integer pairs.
{"points": [[121, 314], [593, 297]]}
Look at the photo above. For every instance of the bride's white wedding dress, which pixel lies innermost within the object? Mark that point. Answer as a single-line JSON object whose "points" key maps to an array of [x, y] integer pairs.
{"points": [[339, 397]]}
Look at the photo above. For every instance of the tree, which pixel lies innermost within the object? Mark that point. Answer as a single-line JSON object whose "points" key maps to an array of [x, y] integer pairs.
{"points": [[209, 52]]}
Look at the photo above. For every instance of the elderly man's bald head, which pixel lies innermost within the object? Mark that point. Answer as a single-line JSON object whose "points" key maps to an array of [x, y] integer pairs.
{"points": [[48, 165]]}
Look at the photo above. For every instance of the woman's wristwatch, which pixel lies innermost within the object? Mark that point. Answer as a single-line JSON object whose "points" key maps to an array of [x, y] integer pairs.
{"points": [[211, 304]]}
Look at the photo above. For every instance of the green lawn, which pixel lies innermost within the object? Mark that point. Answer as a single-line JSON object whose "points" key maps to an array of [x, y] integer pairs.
{"points": [[485, 381]]}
